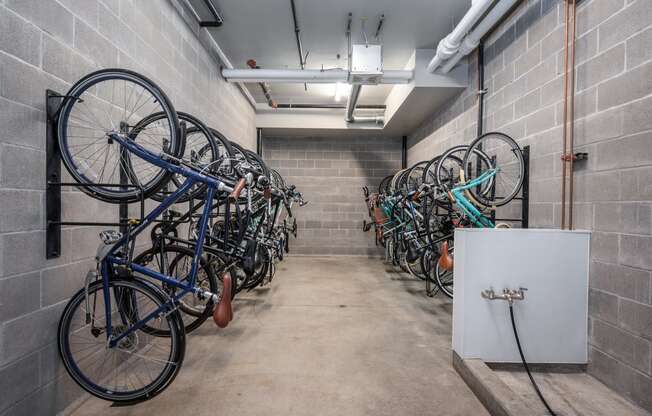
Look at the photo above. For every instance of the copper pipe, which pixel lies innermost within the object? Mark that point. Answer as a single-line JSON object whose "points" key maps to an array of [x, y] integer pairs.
{"points": [[565, 144], [571, 128]]}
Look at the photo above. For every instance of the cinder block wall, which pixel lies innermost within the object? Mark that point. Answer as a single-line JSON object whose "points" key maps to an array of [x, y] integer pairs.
{"points": [[50, 44], [330, 172], [524, 64]]}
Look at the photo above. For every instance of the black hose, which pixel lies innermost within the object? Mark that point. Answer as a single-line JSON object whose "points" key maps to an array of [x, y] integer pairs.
{"points": [[527, 368]]}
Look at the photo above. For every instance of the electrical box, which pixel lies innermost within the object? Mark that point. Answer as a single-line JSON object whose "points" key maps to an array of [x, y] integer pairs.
{"points": [[366, 64]]}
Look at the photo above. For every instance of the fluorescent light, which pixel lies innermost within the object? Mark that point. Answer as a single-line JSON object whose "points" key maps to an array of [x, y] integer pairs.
{"points": [[341, 89]]}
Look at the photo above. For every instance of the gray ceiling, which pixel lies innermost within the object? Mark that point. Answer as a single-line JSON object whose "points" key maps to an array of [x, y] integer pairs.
{"points": [[263, 30]]}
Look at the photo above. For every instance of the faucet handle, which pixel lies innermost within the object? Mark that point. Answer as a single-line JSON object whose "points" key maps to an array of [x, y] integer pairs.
{"points": [[488, 294]]}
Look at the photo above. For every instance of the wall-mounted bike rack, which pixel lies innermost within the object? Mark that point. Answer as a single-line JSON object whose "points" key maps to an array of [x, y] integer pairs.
{"points": [[525, 194], [53, 101]]}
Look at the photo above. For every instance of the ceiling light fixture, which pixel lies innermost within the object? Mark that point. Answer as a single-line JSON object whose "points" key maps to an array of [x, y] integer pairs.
{"points": [[341, 89]]}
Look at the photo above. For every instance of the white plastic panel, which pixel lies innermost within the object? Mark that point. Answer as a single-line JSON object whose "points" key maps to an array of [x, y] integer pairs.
{"points": [[552, 320]]}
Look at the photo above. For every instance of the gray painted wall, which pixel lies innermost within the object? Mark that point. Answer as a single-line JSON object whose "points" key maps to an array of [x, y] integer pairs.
{"points": [[50, 44], [330, 172], [524, 65]]}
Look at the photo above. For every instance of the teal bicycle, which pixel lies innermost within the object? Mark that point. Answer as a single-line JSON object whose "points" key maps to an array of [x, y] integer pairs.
{"points": [[488, 176]]}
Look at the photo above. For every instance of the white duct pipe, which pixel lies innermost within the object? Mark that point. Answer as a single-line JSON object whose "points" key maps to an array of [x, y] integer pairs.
{"points": [[450, 44], [311, 76], [351, 102], [368, 119], [472, 40], [350, 108], [300, 76]]}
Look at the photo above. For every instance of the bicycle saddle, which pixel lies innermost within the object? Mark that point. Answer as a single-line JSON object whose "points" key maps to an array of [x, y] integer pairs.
{"points": [[223, 313], [445, 258]]}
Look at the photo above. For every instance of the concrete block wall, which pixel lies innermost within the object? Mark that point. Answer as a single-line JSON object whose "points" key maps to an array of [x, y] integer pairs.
{"points": [[50, 44], [330, 172], [524, 64]]}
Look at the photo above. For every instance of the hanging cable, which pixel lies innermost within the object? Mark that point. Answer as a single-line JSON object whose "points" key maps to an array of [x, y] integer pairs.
{"points": [[527, 368]]}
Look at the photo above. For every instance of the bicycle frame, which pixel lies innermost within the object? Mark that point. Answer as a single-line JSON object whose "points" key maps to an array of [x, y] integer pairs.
{"points": [[112, 259], [467, 206]]}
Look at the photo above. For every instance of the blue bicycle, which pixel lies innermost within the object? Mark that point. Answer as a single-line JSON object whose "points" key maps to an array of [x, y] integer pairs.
{"points": [[122, 337]]}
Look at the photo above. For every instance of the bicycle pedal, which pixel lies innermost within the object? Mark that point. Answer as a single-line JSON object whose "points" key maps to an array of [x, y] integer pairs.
{"points": [[110, 236]]}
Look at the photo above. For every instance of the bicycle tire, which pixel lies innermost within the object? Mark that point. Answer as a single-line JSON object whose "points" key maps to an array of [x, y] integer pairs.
{"points": [[159, 383], [75, 166], [196, 316], [198, 143], [444, 278], [488, 195]]}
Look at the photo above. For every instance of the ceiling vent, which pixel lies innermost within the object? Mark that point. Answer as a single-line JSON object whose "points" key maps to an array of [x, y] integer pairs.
{"points": [[366, 64]]}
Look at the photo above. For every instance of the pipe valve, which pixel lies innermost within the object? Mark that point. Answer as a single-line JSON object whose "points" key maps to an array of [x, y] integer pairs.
{"points": [[510, 295]]}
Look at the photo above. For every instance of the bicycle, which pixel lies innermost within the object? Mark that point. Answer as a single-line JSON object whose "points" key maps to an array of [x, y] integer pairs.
{"points": [[121, 337]]}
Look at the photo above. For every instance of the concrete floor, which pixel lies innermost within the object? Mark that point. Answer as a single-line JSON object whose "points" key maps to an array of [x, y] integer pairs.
{"points": [[332, 336], [569, 394]]}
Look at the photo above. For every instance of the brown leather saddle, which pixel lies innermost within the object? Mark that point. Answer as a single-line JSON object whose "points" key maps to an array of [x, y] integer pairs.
{"points": [[445, 258], [223, 313]]}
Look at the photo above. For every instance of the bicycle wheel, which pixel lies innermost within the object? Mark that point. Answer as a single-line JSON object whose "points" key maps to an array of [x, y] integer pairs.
{"points": [[506, 157], [230, 155], [428, 260], [175, 262], [382, 187], [414, 178], [261, 267], [428, 176], [393, 183], [200, 150], [140, 365], [258, 163], [444, 278], [114, 101], [437, 220], [448, 166], [239, 153], [276, 179]]}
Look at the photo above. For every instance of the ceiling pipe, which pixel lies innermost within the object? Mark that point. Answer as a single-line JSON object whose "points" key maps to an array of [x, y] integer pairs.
{"points": [[297, 35], [217, 17], [332, 106], [299, 76], [472, 40], [348, 39], [351, 105], [369, 119], [351, 102], [310, 76], [450, 44], [380, 26]]}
